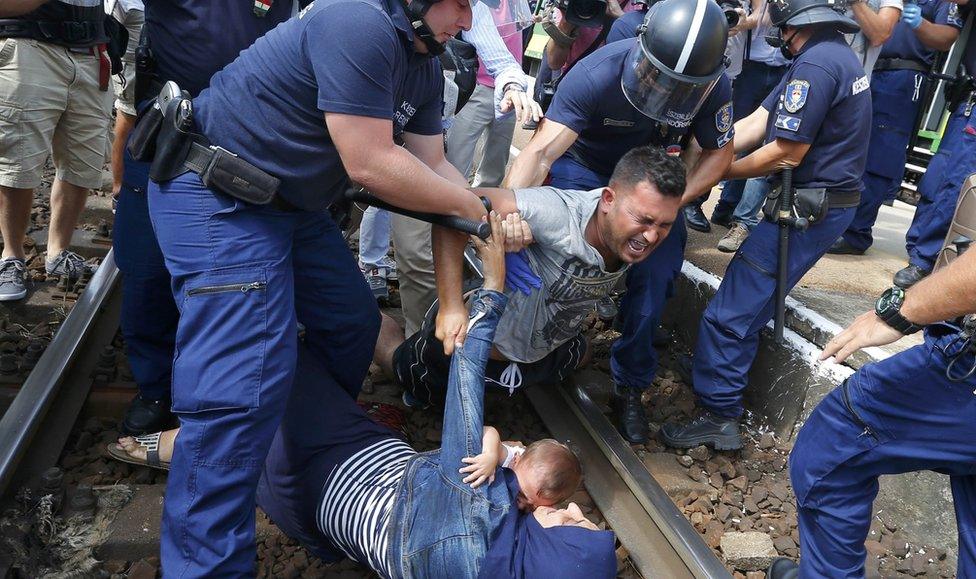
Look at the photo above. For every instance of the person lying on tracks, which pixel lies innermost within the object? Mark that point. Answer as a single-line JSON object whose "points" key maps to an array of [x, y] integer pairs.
{"points": [[581, 243], [342, 484]]}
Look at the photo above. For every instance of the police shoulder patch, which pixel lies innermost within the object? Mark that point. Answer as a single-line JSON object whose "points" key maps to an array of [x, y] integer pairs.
{"points": [[795, 95], [723, 118], [788, 123]]}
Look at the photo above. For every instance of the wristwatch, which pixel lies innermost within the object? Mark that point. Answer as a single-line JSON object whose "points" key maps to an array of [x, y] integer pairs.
{"points": [[888, 308]]}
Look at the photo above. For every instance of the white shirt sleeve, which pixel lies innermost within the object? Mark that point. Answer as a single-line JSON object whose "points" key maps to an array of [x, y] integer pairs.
{"points": [[498, 61]]}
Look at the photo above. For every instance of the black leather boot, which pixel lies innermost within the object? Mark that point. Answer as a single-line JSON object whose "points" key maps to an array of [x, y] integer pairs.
{"points": [[783, 568], [146, 416], [695, 218], [909, 276], [708, 429], [629, 414]]}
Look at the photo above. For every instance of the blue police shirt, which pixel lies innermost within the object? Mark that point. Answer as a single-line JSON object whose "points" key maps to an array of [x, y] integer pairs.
{"points": [[824, 100], [626, 26], [352, 57], [193, 39], [903, 42], [969, 53], [591, 102]]}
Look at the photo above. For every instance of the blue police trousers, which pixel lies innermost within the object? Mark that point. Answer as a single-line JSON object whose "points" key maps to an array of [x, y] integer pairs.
{"points": [[898, 415], [895, 98], [633, 359], [728, 335], [243, 276], [149, 315], [939, 189]]}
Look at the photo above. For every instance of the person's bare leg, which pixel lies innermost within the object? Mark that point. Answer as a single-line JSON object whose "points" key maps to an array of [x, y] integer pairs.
{"points": [[15, 209], [137, 451], [390, 338], [67, 203], [123, 126]]}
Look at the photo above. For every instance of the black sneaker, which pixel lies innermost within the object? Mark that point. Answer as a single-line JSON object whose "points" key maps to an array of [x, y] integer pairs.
{"points": [[695, 218], [783, 568], [909, 276], [629, 414], [145, 416], [708, 429], [841, 247]]}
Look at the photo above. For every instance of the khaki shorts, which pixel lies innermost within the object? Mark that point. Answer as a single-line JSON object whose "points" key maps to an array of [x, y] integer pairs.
{"points": [[50, 104], [125, 82]]}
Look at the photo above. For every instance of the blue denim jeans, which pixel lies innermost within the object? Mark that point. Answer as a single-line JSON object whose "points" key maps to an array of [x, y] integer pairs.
{"points": [[243, 277], [750, 199], [374, 236], [898, 415], [440, 526]]}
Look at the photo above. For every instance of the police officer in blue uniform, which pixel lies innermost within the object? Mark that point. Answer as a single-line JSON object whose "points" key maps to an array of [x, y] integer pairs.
{"points": [[913, 411], [816, 121], [939, 188], [218, 31], [663, 89], [898, 84], [316, 102]]}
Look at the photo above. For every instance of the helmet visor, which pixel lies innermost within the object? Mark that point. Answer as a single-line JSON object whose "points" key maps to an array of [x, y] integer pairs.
{"points": [[660, 94], [511, 17]]}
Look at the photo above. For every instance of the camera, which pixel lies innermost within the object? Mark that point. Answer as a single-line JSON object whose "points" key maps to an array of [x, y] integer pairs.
{"points": [[584, 13], [730, 10]]}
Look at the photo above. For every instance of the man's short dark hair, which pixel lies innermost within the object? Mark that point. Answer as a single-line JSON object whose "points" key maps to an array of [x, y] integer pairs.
{"points": [[665, 172]]}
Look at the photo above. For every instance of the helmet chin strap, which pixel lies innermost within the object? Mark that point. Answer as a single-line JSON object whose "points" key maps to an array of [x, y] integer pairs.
{"points": [[416, 10]]}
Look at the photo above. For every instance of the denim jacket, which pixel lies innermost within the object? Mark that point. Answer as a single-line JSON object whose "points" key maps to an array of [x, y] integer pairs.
{"points": [[440, 526]]}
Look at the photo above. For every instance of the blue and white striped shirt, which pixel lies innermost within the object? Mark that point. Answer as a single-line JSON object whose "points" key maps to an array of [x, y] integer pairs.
{"points": [[358, 498]]}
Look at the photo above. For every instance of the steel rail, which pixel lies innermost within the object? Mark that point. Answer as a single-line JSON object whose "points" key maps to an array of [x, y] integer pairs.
{"points": [[642, 514], [23, 418]]}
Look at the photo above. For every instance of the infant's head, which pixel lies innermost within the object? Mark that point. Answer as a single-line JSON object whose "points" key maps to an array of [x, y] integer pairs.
{"points": [[548, 472]]}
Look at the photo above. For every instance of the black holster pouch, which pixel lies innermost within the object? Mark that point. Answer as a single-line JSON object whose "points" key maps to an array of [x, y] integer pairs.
{"points": [[118, 41], [959, 91], [172, 148], [145, 65], [229, 174], [142, 140], [461, 57], [811, 204]]}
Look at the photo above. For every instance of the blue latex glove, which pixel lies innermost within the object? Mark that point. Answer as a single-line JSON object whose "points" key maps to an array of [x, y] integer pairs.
{"points": [[519, 275], [911, 15]]}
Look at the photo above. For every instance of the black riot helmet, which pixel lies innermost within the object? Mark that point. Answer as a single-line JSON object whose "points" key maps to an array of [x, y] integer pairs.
{"points": [[800, 13], [417, 9], [677, 59]]}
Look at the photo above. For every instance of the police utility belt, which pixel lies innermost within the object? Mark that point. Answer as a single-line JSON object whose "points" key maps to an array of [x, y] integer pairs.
{"points": [[164, 136], [811, 203], [901, 64]]}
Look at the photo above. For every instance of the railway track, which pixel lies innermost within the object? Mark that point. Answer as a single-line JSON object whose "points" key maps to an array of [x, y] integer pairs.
{"points": [[36, 427]]}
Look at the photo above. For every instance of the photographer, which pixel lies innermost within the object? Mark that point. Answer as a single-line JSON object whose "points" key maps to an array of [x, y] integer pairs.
{"points": [[54, 81], [578, 27]]}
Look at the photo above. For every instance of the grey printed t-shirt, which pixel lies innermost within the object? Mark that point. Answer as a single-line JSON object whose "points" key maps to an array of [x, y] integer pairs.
{"points": [[572, 271]]}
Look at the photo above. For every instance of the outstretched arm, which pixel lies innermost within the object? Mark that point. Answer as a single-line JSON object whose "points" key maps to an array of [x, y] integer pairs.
{"points": [[946, 294], [464, 406]]}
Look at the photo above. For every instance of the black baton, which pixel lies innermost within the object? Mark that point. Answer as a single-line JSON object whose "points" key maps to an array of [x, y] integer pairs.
{"points": [[785, 221], [480, 228]]}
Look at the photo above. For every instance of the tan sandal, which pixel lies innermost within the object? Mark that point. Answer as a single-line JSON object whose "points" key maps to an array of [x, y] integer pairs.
{"points": [[150, 442]]}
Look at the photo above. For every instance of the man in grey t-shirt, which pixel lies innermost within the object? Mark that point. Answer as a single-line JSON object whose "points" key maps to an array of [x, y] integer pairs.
{"points": [[584, 241]]}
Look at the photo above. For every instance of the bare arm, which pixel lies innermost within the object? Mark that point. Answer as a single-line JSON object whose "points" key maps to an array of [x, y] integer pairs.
{"points": [[708, 170], [772, 157], [10, 8], [447, 245], [946, 294], [936, 36], [750, 131], [876, 26], [393, 174], [548, 143], [556, 54]]}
